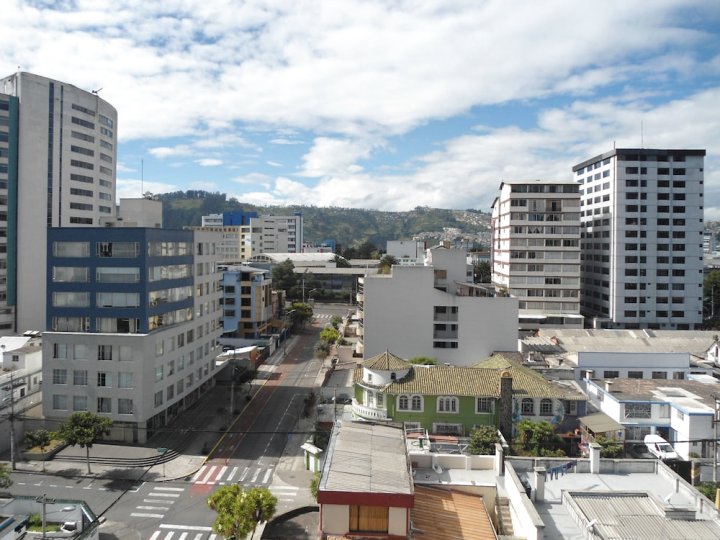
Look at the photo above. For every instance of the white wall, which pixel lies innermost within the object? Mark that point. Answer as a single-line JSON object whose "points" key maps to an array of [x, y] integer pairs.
{"points": [[398, 316], [397, 521], [335, 518], [647, 362]]}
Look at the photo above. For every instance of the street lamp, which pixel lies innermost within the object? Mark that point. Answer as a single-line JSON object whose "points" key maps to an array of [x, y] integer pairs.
{"points": [[44, 500], [310, 299]]}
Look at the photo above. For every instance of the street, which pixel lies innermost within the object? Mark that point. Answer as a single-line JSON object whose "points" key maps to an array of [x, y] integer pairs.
{"points": [[247, 453]]}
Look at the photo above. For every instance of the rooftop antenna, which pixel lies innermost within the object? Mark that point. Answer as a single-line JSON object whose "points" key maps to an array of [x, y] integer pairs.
{"points": [[96, 91], [642, 135]]}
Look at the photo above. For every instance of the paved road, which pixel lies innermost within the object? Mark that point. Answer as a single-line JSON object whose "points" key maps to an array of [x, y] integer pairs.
{"points": [[247, 454]]}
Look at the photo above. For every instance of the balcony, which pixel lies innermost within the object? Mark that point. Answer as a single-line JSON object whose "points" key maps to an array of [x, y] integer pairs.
{"points": [[360, 297], [368, 413]]}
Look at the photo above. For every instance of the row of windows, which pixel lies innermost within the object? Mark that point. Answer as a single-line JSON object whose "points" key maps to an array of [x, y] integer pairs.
{"points": [[125, 379], [451, 404], [80, 403]]}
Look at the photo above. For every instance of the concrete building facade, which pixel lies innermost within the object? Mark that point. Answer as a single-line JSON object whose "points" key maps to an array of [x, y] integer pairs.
{"points": [[133, 317], [642, 238], [418, 311], [536, 251], [59, 171], [247, 301]]}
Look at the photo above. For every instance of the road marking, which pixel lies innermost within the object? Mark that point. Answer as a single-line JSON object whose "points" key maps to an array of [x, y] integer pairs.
{"points": [[254, 478], [159, 516], [197, 474], [157, 501], [222, 471], [175, 495], [169, 535], [137, 488], [266, 477], [186, 527], [284, 488], [169, 489], [166, 508], [155, 535], [232, 474], [244, 474], [183, 536], [208, 475]]}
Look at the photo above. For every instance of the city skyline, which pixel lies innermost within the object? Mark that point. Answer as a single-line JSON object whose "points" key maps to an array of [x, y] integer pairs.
{"points": [[373, 105]]}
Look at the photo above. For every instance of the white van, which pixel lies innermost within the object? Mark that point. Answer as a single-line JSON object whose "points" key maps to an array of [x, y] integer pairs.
{"points": [[659, 447]]}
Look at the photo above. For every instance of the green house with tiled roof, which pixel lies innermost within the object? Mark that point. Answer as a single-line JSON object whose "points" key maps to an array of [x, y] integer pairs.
{"points": [[453, 399]]}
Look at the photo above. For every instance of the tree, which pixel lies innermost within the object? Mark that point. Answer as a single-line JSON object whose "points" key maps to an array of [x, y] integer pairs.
{"points": [[424, 361], [610, 448], [341, 262], [386, 264], [366, 250], [84, 429], [300, 313], [329, 335], [239, 511], [283, 276], [482, 272], [711, 289], [336, 321], [39, 438], [5, 480], [538, 438], [483, 440]]}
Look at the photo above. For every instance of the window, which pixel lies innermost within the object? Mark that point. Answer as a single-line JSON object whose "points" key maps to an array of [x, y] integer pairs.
{"points": [[635, 374], [103, 405], [158, 373], [117, 299], [71, 249], [80, 377], [59, 376], [117, 249], [680, 415], [125, 406], [403, 403], [125, 379], [117, 275], [528, 406], [416, 403], [637, 410], [664, 411], [158, 398], [484, 405], [104, 379], [79, 403], [59, 402], [126, 353], [104, 352], [546, 407], [659, 374], [369, 519], [611, 374], [447, 404], [70, 274]]}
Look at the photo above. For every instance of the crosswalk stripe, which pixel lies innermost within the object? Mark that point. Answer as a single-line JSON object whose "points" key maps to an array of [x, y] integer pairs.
{"points": [[157, 501], [141, 514], [222, 472], [244, 474], [197, 474], [185, 527], [208, 475], [232, 474], [292, 489], [152, 508], [155, 535], [169, 535], [254, 478], [159, 488], [173, 495], [183, 536], [267, 476], [198, 536]]}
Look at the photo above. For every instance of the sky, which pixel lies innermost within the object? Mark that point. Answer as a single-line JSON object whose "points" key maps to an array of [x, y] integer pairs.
{"points": [[384, 104]]}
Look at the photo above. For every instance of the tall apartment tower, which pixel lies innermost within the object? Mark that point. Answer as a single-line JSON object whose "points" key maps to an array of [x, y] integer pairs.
{"points": [[59, 171], [276, 234], [536, 251], [642, 238]]}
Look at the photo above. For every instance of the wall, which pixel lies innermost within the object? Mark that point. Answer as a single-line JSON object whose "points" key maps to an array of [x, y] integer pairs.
{"points": [[398, 521], [670, 362], [335, 518]]}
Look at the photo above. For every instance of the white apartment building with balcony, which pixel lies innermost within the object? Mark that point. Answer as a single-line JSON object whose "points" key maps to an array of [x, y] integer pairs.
{"points": [[536, 251], [433, 311], [642, 238]]}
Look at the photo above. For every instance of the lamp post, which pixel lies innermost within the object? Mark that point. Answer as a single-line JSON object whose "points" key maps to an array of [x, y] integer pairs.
{"points": [[310, 299], [287, 318], [44, 500], [162, 452]]}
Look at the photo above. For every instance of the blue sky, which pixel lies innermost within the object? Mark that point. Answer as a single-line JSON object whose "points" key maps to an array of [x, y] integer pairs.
{"points": [[379, 104]]}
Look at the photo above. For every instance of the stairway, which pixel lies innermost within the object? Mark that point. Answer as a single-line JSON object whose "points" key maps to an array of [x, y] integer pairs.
{"points": [[502, 513]]}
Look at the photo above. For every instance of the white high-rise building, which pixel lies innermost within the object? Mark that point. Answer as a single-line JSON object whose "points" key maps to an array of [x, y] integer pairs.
{"points": [[276, 234], [61, 174], [536, 251], [642, 238]]}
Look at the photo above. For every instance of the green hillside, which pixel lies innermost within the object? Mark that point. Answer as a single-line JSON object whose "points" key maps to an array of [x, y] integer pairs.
{"points": [[347, 226]]}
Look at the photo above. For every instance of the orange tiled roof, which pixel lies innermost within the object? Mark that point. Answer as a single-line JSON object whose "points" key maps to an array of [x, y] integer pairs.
{"points": [[442, 514]]}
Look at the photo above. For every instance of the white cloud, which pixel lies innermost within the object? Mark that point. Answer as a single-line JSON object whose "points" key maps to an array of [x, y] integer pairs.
{"points": [[330, 156], [128, 188], [274, 163], [209, 162]]}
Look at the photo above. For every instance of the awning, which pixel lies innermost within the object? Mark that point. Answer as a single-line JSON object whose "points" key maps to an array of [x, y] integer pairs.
{"points": [[601, 423]]}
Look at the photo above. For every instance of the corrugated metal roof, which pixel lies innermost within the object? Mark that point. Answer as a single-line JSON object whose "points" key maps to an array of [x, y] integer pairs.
{"points": [[601, 423], [638, 516], [367, 458]]}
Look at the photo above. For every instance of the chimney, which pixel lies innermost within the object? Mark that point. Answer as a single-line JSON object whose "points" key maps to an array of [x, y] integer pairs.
{"points": [[595, 458], [539, 484], [608, 386], [506, 404]]}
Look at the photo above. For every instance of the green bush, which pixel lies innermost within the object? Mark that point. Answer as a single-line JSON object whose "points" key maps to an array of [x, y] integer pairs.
{"points": [[329, 335], [322, 349], [424, 361], [708, 489], [483, 440]]}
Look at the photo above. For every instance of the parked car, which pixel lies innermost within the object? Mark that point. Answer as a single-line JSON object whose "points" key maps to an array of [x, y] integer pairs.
{"points": [[659, 447]]}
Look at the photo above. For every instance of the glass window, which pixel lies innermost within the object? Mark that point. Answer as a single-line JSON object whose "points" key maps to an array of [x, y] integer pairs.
{"points": [[117, 275], [79, 403], [71, 299], [80, 377], [104, 378], [447, 404], [104, 352], [416, 403], [126, 353], [484, 405], [59, 402], [125, 406], [103, 405], [528, 406], [117, 249], [158, 398], [70, 274], [71, 249], [59, 376], [125, 379], [637, 410], [118, 299], [546, 407], [403, 403]]}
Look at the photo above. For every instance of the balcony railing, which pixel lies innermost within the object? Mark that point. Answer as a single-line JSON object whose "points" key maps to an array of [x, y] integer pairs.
{"points": [[369, 413]]}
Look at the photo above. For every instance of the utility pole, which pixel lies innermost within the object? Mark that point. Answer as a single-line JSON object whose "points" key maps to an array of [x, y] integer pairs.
{"points": [[12, 422], [44, 500], [716, 421]]}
